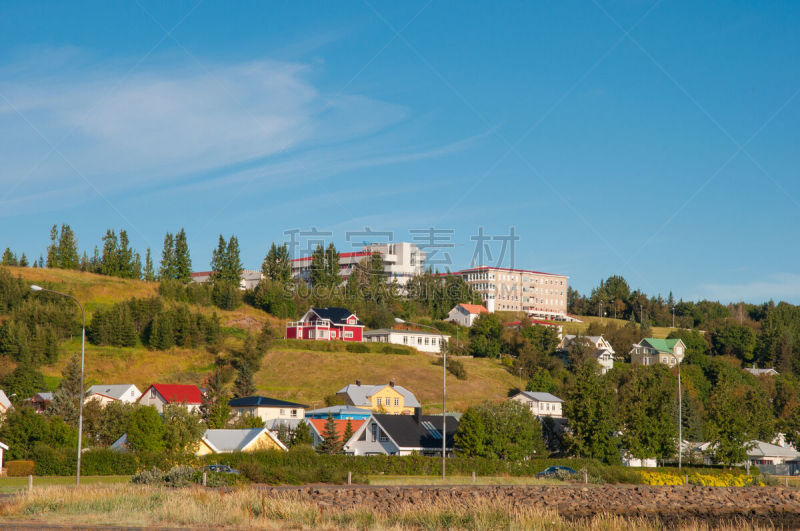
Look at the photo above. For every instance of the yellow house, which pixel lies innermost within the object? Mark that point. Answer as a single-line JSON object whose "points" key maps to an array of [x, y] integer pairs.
{"points": [[382, 398], [244, 440]]}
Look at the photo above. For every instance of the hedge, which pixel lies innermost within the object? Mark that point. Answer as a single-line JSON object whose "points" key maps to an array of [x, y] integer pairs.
{"points": [[19, 468]]}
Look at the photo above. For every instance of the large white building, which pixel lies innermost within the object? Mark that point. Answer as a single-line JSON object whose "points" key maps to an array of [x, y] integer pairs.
{"points": [[401, 261], [540, 295]]}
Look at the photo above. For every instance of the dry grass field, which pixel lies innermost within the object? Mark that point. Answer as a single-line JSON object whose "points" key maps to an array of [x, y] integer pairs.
{"points": [[129, 505]]}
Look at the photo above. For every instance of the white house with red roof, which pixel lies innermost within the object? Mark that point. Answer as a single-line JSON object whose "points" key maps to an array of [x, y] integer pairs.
{"points": [[465, 314], [158, 395], [326, 324]]}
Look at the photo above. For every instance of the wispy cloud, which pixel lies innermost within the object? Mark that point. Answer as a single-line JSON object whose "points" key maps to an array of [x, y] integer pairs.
{"points": [[777, 287], [163, 124]]}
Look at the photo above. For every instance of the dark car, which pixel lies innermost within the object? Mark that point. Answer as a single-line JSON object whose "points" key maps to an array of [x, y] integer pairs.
{"points": [[223, 469], [556, 471]]}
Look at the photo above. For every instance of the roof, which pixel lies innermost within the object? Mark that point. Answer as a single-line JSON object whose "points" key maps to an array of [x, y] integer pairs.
{"points": [[661, 345], [275, 424], [318, 425], [474, 308], [222, 441], [491, 268], [42, 397], [759, 372], [335, 315], [263, 401], [178, 393], [3, 446], [534, 322], [359, 394], [385, 331], [5, 403], [540, 396], [115, 391], [341, 255], [340, 410], [764, 449], [406, 432]]}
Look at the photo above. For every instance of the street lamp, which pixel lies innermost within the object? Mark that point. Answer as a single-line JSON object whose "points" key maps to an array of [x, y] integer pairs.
{"points": [[680, 413], [36, 288], [444, 384]]}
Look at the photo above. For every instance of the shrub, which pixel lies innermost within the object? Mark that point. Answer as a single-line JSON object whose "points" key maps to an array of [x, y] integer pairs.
{"points": [[51, 462], [20, 468], [359, 348], [154, 476], [105, 462], [180, 476], [392, 349]]}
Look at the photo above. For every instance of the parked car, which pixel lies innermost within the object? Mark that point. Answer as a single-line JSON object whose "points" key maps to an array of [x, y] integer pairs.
{"points": [[556, 471], [223, 469]]}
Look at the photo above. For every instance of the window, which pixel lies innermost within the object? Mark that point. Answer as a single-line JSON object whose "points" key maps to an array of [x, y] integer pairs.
{"points": [[283, 412], [152, 393], [396, 401], [374, 432], [405, 340], [380, 401], [383, 437], [294, 413], [419, 341], [426, 340], [348, 334]]}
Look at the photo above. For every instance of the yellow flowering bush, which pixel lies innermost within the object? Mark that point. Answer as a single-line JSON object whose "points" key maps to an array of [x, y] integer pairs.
{"points": [[725, 479]]}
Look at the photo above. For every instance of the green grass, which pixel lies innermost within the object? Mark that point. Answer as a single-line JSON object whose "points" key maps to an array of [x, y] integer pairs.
{"points": [[10, 485], [580, 328]]}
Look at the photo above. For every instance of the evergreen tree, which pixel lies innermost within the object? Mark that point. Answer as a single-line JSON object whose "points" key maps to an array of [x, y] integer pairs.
{"points": [[41, 261], [218, 259], [85, 264], [149, 273], [126, 263], [233, 265], [23, 260], [331, 443], [146, 430], [67, 249], [469, 439], [215, 410], [52, 249], [348, 432], [168, 269], [183, 263], [9, 258], [302, 434], [277, 265], [24, 381], [109, 263], [137, 266], [66, 399], [317, 273], [332, 266], [243, 385]]}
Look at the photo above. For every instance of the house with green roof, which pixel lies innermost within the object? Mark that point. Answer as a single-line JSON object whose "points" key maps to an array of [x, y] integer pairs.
{"points": [[651, 350]]}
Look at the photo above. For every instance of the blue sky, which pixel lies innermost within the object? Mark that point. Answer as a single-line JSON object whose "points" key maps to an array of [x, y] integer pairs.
{"points": [[656, 140]]}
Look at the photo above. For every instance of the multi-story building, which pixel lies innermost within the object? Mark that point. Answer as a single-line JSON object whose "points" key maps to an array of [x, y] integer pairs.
{"points": [[542, 295], [401, 261]]}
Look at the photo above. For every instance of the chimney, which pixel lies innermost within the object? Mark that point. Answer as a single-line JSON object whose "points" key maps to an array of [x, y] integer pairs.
{"points": [[358, 383], [417, 414], [391, 383]]}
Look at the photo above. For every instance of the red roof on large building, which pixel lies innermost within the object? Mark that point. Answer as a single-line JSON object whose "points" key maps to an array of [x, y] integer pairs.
{"points": [[178, 393], [341, 255], [341, 425], [492, 268]]}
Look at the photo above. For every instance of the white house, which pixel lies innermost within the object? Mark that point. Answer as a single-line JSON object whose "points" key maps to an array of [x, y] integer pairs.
{"points": [[422, 341], [465, 314], [540, 404], [628, 460], [602, 350], [158, 395], [761, 372], [3, 448], [651, 350], [402, 435], [104, 394], [267, 409], [5, 403], [248, 280]]}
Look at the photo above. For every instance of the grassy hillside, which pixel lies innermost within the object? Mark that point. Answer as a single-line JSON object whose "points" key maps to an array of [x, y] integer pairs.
{"points": [[289, 373], [579, 328]]}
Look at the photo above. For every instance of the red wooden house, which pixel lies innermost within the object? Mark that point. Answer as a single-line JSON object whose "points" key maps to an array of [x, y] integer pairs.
{"points": [[326, 324]]}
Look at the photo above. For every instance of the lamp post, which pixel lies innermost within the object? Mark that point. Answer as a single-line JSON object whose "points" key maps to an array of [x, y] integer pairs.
{"points": [[444, 385], [680, 413], [34, 287]]}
